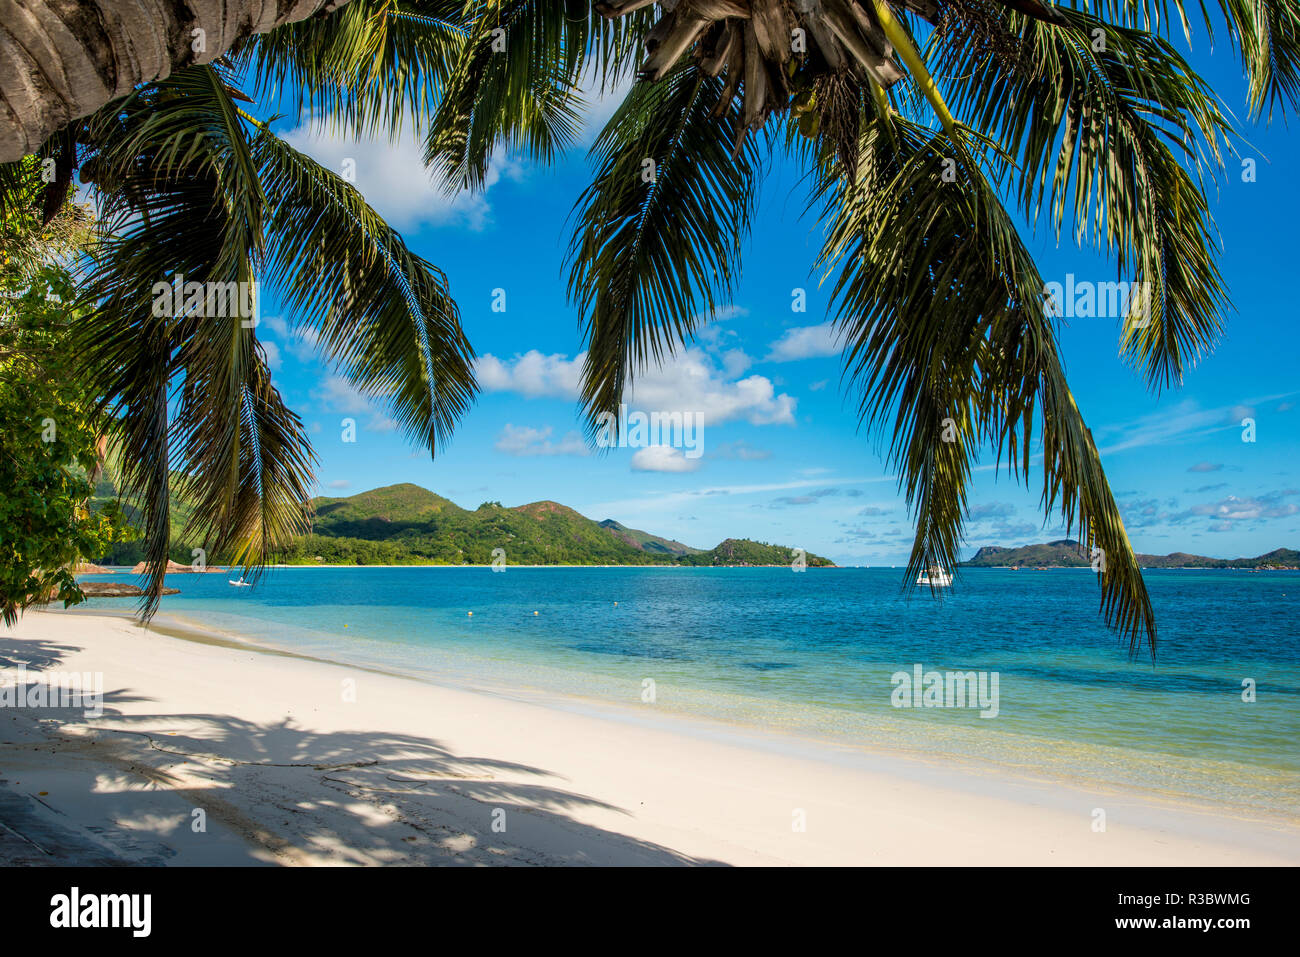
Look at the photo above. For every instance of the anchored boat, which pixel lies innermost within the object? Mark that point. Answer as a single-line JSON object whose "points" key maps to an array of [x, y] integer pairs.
{"points": [[935, 577]]}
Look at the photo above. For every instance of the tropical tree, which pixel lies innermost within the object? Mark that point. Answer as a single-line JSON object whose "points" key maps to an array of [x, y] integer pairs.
{"points": [[199, 205], [925, 128]]}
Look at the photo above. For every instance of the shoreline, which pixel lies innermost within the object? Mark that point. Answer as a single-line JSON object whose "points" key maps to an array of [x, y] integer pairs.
{"points": [[765, 720], [288, 772]]}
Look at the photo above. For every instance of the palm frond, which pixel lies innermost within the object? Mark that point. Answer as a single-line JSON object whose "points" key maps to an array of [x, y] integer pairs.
{"points": [[162, 160], [198, 191], [658, 233], [1266, 33], [950, 351], [384, 314], [1112, 127], [249, 462], [516, 83], [364, 69]]}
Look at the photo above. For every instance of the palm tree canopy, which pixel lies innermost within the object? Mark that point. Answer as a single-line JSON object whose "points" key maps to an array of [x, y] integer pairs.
{"points": [[197, 193], [922, 126], [925, 127]]}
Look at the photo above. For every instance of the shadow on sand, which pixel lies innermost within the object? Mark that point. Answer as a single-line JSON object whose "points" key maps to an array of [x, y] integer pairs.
{"points": [[280, 793]]}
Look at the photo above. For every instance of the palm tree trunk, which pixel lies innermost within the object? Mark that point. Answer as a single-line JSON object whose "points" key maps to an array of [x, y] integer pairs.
{"points": [[63, 59]]}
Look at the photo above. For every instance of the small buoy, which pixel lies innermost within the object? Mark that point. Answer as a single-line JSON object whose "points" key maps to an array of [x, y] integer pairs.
{"points": [[469, 614], [345, 626], [534, 613], [43, 793], [615, 604]]}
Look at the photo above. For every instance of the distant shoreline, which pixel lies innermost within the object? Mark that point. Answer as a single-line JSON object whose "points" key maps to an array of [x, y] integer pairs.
{"points": [[126, 569]]}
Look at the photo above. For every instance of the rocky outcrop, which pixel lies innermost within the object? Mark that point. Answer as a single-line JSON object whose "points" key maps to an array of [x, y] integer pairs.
{"points": [[117, 590], [173, 568]]}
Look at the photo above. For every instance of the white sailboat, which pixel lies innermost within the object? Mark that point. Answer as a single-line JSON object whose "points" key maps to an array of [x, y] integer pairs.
{"points": [[935, 577]]}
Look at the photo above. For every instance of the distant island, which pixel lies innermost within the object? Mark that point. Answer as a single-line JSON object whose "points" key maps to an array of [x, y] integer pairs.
{"points": [[409, 525], [1068, 553]]}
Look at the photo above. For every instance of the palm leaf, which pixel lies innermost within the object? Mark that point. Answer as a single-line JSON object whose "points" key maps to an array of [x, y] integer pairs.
{"points": [[652, 253], [516, 83], [1266, 33], [950, 351], [1115, 130], [195, 187], [384, 314], [366, 67], [194, 411]]}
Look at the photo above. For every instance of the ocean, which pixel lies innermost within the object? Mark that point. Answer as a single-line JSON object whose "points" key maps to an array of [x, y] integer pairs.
{"points": [[833, 654]]}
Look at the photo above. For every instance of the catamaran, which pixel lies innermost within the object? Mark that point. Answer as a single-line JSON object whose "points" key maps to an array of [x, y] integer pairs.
{"points": [[935, 577]]}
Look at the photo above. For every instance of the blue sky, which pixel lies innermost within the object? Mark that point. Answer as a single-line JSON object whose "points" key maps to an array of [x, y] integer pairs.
{"points": [[783, 458]]}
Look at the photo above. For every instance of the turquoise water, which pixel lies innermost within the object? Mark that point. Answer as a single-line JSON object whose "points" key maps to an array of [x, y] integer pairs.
{"points": [[813, 653]]}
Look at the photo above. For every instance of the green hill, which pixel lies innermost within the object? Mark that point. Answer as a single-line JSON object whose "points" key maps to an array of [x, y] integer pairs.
{"points": [[1067, 553], [647, 542], [409, 525], [741, 551]]}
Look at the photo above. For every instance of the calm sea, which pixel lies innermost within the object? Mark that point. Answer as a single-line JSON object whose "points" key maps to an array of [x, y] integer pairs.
{"points": [[815, 654]]}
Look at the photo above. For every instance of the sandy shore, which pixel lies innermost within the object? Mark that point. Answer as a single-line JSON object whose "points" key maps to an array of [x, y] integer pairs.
{"points": [[284, 760]]}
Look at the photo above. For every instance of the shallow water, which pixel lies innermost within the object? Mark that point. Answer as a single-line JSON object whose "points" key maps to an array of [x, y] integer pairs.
{"points": [[815, 653]]}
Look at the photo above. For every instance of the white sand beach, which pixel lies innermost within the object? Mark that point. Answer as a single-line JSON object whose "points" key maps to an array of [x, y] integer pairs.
{"points": [[267, 752]]}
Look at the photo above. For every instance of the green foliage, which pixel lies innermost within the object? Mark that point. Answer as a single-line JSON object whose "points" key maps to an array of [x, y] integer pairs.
{"points": [[742, 551], [405, 524], [29, 238], [195, 189], [647, 542], [49, 448], [408, 525]]}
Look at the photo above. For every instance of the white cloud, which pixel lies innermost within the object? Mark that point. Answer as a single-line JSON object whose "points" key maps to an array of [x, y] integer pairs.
{"points": [[735, 362], [601, 105], [303, 345], [275, 324], [272, 352], [663, 458], [522, 440], [740, 449], [532, 375], [338, 484], [340, 395], [301, 342], [805, 342], [1176, 422], [660, 503], [690, 382], [394, 180], [337, 394]]}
